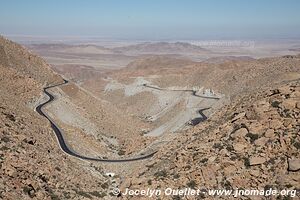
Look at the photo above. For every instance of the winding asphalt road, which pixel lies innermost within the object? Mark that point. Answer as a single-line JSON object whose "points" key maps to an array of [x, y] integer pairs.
{"points": [[61, 140], [196, 120], [192, 91]]}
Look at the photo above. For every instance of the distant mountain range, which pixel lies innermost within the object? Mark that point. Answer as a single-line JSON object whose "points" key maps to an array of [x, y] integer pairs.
{"points": [[161, 48], [137, 49]]}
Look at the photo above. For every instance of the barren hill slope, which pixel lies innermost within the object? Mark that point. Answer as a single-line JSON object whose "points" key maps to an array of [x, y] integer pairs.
{"points": [[18, 58], [230, 77], [31, 162], [253, 143]]}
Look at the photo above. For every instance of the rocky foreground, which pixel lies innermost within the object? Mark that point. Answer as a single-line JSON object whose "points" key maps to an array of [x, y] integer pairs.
{"points": [[254, 143]]}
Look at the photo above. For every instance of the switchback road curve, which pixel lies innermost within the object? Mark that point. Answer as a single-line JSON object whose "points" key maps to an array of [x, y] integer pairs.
{"points": [[192, 91], [61, 140]]}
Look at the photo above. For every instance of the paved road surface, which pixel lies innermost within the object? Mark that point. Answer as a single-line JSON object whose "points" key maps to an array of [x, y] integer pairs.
{"points": [[61, 140]]}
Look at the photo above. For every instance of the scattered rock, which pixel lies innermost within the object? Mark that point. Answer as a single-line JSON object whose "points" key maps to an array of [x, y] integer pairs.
{"points": [[287, 122], [239, 147], [256, 161], [261, 141], [240, 133], [255, 173], [212, 159], [298, 105], [10, 171], [256, 128], [275, 124], [238, 116], [270, 133], [294, 165]]}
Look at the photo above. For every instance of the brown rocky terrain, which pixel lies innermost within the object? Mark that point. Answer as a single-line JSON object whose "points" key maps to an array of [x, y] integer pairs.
{"points": [[31, 162], [253, 143], [250, 140]]}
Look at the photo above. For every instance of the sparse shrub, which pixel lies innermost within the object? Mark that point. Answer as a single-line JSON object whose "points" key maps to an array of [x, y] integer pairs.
{"points": [[227, 185], [192, 184], [176, 197], [5, 139], [26, 189], [288, 185], [98, 194], [252, 137], [57, 168], [272, 161], [121, 152], [275, 104], [104, 185], [84, 194], [176, 176], [233, 158], [229, 148], [4, 148], [297, 145], [188, 167], [160, 174], [218, 146], [246, 162], [267, 187], [10, 117], [66, 194], [29, 190], [285, 113], [54, 197]]}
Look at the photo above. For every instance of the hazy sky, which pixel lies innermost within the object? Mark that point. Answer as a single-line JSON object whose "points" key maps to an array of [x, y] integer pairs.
{"points": [[154, 19]]}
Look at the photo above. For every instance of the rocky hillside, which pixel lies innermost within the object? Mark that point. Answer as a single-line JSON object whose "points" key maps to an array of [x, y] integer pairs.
{"points": [[231, 77], [157, 62], [253, 143], [17, 57], [31, 163]]}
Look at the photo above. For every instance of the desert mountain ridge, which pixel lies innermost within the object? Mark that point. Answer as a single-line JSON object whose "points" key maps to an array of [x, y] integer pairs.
{"points": [[135, 49], [161, 47]]}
